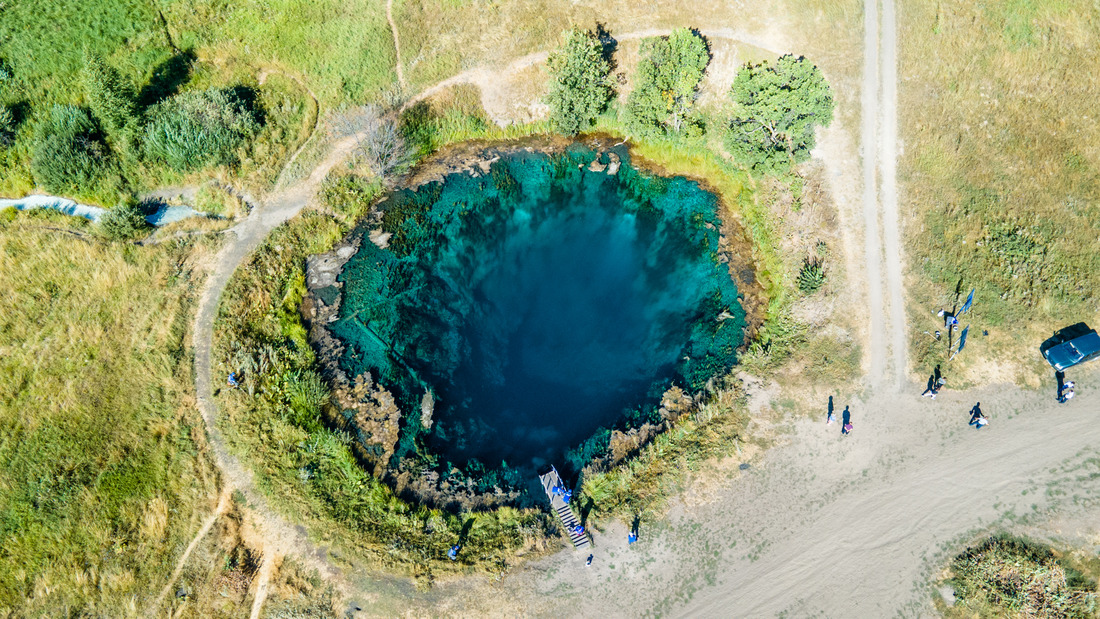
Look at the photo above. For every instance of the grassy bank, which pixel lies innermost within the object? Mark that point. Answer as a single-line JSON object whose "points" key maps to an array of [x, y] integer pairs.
{"points": [[102, 475], [1001, 173]]}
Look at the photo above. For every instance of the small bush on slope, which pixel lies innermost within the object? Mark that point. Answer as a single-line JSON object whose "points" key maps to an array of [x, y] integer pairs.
{"points": [[69, 151], [111, 98], [124, 221]]}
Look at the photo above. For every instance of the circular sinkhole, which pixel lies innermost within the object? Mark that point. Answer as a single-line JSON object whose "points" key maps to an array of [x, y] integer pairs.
{"points": [[541, 305]]}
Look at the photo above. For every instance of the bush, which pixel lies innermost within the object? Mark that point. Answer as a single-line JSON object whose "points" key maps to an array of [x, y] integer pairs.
{"points": [[196, 129], [777, 109], [125, 221], [579, 85], [811, 277], [667, 83], [112, 100], [69, 152], [1008, 575]]}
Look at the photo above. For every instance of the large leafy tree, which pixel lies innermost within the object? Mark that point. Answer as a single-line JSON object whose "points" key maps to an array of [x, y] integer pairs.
{"points": [[777, 107], [112, 99], [667, 82], [579, 84]]}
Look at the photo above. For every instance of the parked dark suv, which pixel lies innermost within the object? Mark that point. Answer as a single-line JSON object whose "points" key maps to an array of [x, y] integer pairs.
{"points": [[1071, 346]]}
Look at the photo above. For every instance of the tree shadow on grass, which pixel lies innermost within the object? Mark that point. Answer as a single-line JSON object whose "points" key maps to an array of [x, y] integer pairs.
{"points": [[167, 78]]}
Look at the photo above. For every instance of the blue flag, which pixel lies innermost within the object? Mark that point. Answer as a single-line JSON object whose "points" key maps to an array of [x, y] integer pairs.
{"points": [[969, 301], [962, 338]]}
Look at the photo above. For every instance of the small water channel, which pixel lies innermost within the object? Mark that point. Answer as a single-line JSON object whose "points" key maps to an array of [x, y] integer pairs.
{"points": [[542, 304], [164, 214]]}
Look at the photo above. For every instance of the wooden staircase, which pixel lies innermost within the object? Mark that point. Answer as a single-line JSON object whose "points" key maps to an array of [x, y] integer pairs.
{"points": [[549, 480]]}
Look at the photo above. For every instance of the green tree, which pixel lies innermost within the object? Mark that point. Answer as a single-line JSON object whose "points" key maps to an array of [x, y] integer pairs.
{"points": [[69, 152], [579, 84], [777, 108], [112, 99], [199, 128], [667, 83]]}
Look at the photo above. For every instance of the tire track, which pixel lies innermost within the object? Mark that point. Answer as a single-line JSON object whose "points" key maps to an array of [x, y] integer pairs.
{"points": [[891, 226], [872, 245]]}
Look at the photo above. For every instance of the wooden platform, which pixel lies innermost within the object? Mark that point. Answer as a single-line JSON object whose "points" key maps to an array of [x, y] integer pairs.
{"points": [[564, 512]]}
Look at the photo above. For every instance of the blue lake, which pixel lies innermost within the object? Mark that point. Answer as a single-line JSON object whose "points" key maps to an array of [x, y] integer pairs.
{"points": [[542, 304]]}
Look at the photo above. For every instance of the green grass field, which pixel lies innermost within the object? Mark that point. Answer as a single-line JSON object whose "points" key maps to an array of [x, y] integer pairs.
{"points": [[102, 477]]}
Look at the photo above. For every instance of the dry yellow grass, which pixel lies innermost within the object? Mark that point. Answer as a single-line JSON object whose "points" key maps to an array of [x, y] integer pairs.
{"points": [[101, 482]]}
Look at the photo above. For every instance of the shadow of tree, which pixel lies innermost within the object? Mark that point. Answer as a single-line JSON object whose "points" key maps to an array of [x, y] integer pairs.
{"points": [[167, 78]]}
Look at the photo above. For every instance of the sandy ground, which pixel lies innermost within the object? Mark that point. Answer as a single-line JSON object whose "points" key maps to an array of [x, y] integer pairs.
{"points": [[828, 525]]}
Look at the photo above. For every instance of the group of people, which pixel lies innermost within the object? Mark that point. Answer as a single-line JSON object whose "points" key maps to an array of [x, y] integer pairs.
{"points": [[565, 493], [977, 417], [631, 537], [846, 427]]}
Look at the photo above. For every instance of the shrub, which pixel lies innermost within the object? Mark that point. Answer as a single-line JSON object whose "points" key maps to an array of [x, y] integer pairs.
{"points": [[667, 83], [125, 221], [777, 108], [1008, 575], [69, 152], [196, 129], [579, 85], [112, 100], [811, 277], [379, 143]]}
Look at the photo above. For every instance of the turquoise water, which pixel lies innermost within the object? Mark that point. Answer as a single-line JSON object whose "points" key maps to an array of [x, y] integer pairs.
{"points": [[542, 304]]}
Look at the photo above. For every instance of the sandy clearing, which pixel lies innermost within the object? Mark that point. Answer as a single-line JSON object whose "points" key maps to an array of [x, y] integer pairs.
{"points": [[827, 525]]}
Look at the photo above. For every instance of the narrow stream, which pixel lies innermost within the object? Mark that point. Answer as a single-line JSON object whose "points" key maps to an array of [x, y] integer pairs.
{"points": [[163, 216]]}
